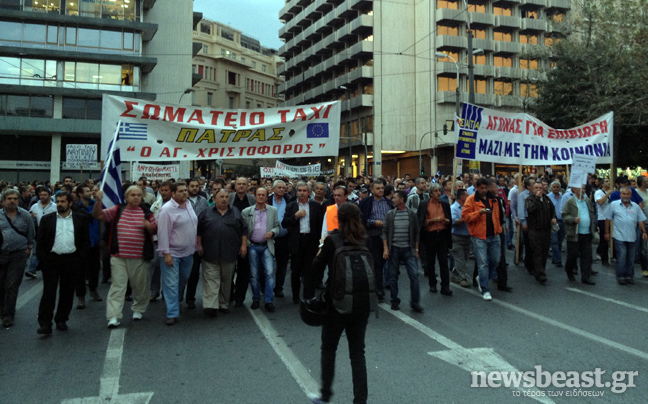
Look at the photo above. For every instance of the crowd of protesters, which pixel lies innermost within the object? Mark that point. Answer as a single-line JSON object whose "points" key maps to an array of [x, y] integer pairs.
{"points": [[242, 233]]}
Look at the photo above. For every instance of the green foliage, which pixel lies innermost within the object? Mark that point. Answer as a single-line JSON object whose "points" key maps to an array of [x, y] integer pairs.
{"points": [[602, 66]]}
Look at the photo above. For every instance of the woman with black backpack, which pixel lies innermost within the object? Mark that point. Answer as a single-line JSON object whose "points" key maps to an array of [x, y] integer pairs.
{"points": [[345, 253]]}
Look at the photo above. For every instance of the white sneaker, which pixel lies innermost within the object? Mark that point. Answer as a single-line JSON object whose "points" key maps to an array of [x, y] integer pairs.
{"points": [[137, 315], [598, 258], [316, 398], [113, 322], [487, 296]]}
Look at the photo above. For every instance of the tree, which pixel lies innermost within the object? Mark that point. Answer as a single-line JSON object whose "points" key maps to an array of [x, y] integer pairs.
{"points": [[600, 66]]}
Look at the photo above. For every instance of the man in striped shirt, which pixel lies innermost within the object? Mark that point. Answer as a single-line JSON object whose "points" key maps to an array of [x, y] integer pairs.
{"points": [[131, 247]]}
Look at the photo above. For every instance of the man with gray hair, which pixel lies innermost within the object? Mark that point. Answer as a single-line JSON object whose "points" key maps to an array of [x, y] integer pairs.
{"points": [[17, 239], [280, 199]]}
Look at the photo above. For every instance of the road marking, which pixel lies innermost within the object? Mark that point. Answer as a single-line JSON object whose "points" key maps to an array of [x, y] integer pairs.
{"points": [[558, 324], [293, 364], [109, 382], [607, 299], [470, 359], [34, 291]]}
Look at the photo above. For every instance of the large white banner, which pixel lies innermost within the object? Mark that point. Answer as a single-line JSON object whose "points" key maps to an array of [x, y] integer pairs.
{"points": [[152, 131], [490, 135], [156, 171]]}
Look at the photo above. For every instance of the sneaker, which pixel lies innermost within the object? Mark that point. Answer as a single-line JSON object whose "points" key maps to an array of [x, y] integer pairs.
{"points": [[316, 398], [597, 258], [113, 322], [487, 296], [30, 275], [137, 316]]}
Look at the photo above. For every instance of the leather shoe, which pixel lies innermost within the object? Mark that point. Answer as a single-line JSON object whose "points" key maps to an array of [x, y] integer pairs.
{"points": [[394, 306], [45, 330], [417, 307], [171, 321], [505, 288], [61, 326], [588, 282], [7, 321], [238, 304], [255, 305], [270, 307], [433, 289], [571, 277], [594, 272], [279, 294], [191, 305], [446, 292], [95, 296], [81, 303]]}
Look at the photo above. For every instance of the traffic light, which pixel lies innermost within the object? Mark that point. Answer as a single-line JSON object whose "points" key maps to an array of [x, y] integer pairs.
{"points": [[422, 170], [445, 129]]}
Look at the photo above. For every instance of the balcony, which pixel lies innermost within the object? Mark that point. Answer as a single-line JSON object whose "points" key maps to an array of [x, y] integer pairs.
{"points": [[362, 24], [485, 44], [311, 11], [484, 70], [485, 99], [448, 41], [562, 4], [509, 101], [482, 19], [506, 21], [508, 73], [329, 86], [362, 48], [447, 68], [309, 32], [320, 26], [321, 5], [289, 10], [364, 72], [533, 75], [541, 3], [443, 97], [363, 100], [530, 24], [231, 88], [343, 33], [342, 80], [534, 50], [507, 47], [344, 11], [361, 4], [447, 15]]}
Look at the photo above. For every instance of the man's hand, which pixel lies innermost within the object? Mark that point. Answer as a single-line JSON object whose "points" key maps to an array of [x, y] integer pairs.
{"points": [[525, 227], [33, 214], [577, 220], [483, 211], [200, 250], [300, 213], [553, 221], [243, 250], [168, 260], [268, 235], [99, 196], [378, 223], [607, 236], [644, 236], [385, 254]]}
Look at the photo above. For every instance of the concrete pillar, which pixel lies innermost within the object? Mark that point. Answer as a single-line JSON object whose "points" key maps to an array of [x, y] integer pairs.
{"points": [[55, 168], [434, 165]]}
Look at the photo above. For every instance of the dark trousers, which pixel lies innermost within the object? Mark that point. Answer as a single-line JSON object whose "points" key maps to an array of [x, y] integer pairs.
{"points": [[62, 271], [105, 264], [375, 245], [194, 278], [603, 248], [242, 275], [307, 250], [356, 327], [12, 268], [502, 273], [282, 255], [539, 241], [436, 246], [583, 249], [528, 254], [88, 270]]}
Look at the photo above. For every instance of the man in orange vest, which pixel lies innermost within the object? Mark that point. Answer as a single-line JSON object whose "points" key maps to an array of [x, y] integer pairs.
{"points": [[330, 218]]}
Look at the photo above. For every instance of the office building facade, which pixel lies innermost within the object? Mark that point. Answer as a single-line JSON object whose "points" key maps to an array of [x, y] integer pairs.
{"points": [[380, 59]]}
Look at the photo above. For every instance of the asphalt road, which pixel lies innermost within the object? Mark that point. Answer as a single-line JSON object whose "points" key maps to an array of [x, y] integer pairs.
{"points": [[253, 356]]}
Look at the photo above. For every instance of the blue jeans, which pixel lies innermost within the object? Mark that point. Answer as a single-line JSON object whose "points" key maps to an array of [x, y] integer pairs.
{"points": [[511, 232], [174, 280], [261, 253], [33, 261], [487, 255], [643, 259], [556, 242], [399, 255], [625, 253]]}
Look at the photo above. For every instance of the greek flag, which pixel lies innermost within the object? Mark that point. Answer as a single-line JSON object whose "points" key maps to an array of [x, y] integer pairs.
{"points": [[133, 131], [111, 179]]}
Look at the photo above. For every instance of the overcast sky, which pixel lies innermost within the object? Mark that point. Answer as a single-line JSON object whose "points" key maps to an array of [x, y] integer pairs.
{"points": [[256, 18]]}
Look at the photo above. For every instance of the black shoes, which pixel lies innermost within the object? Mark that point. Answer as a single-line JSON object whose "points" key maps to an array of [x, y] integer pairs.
{"points": [[45, 330], [209, 312], [270, 307], [433, 289], [255, 305], [505, 288], [446, 292], [61, 326], [191, 305], [279, 293], [417, 307], [394, 306], [588, 282]]}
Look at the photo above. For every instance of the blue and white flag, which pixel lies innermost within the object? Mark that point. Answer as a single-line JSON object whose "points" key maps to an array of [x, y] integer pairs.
{"points": [[133, 131], [111, 178]]}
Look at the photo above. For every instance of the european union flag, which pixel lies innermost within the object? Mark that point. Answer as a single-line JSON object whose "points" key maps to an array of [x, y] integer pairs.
{"points": [[317, 130]]}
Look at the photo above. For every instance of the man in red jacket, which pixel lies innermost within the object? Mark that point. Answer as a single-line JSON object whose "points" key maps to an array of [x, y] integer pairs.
{"points": [[481, 212]]}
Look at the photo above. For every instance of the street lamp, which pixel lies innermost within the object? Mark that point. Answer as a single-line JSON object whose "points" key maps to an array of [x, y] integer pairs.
{"points": [[187, 91], [458, 65]]}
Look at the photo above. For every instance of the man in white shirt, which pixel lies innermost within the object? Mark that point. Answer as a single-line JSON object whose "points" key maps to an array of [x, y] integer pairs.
{"points": [[602, 199]]}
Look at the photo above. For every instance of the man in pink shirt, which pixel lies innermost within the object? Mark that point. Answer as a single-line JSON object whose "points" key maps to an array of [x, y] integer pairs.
{"points": [[177, 231]]}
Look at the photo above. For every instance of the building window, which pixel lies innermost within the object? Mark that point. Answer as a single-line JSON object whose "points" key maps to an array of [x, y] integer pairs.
{"points": [[530, 39], [446, 83], [205, 28], [223, 52], [205, 49], [454, 5], [479, 59], [444, 30], [529, 64], [254, 64], [476, 8], [502, 36], [227, 34], [81, 108], [532, 14], [528, 90], [210, 99], [233, 55], [503, 88], [231, 103], [20, 105], [247, 104], [231, 78], [193, 69], [259, 106], [263, 68], [549, 41], [480, 86], [242, 59], [479, 33], [500, 61], [501, 10]]}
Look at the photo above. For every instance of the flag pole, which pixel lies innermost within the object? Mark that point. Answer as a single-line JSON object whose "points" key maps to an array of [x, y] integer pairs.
{"points": [[110, 153]]}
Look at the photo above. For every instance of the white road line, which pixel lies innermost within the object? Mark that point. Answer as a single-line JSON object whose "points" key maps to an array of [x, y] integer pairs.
{"points": [[112, 365], [607, 299], [34, 291], [293, 364], [558, 324]]}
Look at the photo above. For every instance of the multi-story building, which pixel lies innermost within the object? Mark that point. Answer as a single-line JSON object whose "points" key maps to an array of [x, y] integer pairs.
{"points": [[381, 59], [237, 73], [57, 59]]}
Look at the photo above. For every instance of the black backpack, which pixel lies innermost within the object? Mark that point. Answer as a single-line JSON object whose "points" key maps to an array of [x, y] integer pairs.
{"points": [[352, 284]]}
